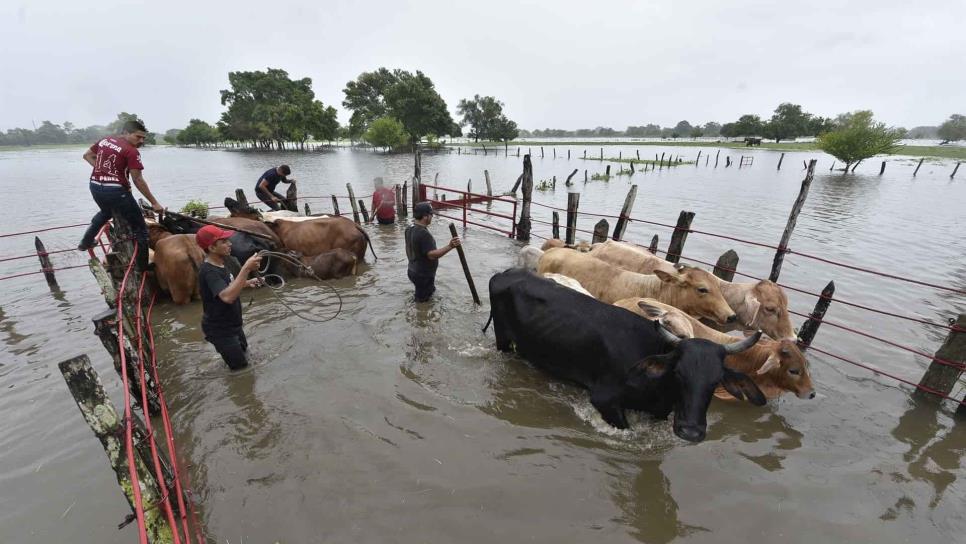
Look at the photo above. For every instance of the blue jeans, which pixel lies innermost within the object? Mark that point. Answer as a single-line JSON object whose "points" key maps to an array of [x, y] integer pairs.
{"points": [[113, 199], [425, 286]]}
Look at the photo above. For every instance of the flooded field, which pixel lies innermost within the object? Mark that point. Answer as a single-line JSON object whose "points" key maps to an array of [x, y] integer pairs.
{"points": [[394, 423]]}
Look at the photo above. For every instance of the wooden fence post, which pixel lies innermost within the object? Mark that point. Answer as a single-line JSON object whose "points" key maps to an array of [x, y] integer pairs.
{"points": [[680, 235], [308, 210], [573, 201], [942, 377], [469, 187], [776, 267], [572, 174], [45, 263], [554, 152], [951, 176], [405, 193], [105, 327], [625, 214], [241, 198], [523, 227], [662, 161], [653, 247], [697, 159], [602, 153], [104, 420], [556, 225], [365, 212], [568, 154], [881, 168], [918, 166], [586, 179], [335, 206], [726, 265], [807, 333], [600, 231], [353, 202], [292, 198], [780, 159], [716, 155], [489, 188]]}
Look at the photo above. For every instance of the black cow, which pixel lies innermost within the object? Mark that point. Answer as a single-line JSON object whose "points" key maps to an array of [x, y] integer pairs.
{"points": [[624, 360], [243, 245]]}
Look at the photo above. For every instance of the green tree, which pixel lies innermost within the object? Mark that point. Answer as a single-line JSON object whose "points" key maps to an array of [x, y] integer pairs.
{"points": [[696, 132], [859, 137], [953, 129], [116, 126], [712, 129], [197, 133], [385, 132], [49, 133], [171, 135], [409, 98], [503, 130], [482, 114], [748, 125], [819, 125], [681, 129], [788, 121]]}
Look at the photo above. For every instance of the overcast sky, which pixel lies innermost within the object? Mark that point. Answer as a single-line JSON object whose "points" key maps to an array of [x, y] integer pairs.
{"points": [[559, 64]]}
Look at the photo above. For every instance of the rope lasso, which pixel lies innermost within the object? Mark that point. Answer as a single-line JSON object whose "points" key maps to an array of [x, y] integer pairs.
{"points": [[301, 267]]}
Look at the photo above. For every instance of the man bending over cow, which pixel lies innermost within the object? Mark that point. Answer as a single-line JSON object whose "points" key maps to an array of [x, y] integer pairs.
{"points": [[265, 188], [422, 253], [222, 319]]}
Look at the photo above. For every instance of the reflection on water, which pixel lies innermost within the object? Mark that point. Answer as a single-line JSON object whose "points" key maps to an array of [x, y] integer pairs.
{"points": [[648, 507]]}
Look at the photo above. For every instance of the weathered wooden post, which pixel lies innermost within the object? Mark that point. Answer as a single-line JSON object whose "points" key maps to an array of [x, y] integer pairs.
{"points": [[600, 231], [308, 210], [469, 187], [466, 267], [807, 333], [518, 152], [698, 158], [572, 174], [105, 327], [951, 176], [653, 247], [881, 168], [607, 173], [947, 364], [716, 155], [726, 265], [832, 167], [602, 153], [292, 198], [662, 161], [638, 151], [573, 201], [679, 236], [568, 154], [585, 154], [554, 152], [727, 161], [489, 188], [353, 202], [241, 198], [523, 227], [365, 212], [625, 214], [405, 193], [586, 179], [335, 206], [45, 264], [780, 159], [632, 167], [108, 427], [776, 266], [918, 166], [541, 152], [620, 155], [706, 159], [555, 225]]}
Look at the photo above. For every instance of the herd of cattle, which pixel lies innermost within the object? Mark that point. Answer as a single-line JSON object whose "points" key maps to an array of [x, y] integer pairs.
{"points": [[642, 333], [330, 246]]}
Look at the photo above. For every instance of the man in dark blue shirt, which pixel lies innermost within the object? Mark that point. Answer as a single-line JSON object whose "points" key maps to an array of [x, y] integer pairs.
{"points": [[265, 188], [422, 253]]}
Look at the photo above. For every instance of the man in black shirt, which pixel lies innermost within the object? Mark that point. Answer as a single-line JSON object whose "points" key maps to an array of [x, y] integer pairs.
{"points": [[422, 253], [265, 188], [222, 320]]}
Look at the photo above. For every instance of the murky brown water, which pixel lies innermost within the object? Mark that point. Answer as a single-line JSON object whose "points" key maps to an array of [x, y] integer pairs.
{"points": [[398, 424]]}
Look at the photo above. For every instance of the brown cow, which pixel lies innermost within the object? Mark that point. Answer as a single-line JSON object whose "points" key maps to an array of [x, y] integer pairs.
{"points": [[684, 288], [334, 264], [250, 225], [759, 305], [551, 243], [776, 366], [315, 236], [176, 261]]}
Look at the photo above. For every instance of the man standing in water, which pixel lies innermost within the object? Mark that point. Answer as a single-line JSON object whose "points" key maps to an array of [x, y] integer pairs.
{"points": [[422, 253], [265, 188], [222, 319], [113, 159], [383, 203]]}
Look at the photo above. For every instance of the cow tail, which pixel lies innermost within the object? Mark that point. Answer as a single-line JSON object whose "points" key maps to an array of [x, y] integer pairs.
{"points": [[488, 321], [368, 242]]}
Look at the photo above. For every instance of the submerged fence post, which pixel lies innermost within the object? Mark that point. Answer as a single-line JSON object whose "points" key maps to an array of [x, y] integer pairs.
{"points": [[108, 427], [726, 265], [625, 215], [698, 158], [716, 155], [45, 263], [308, 211], [405, 195], [600, 231], [556, 225], [241, 198], [807, 333], [653, 247], [881, 168], [680, 235], [489, 188], [776, 267], [365, 212], [292, 198], [780, 159], [918, 166], [951, 176], [573, 201], [942, 377], [523, 227], [335, 206], [353, 203]]}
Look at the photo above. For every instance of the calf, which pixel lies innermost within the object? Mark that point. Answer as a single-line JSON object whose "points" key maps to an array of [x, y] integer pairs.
{"points": [[334, 264], [775, 365], [624, 361], [686, 288]]}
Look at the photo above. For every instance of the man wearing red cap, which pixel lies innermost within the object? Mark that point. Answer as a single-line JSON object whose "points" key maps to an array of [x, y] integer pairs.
{"points": [[222, 320]]}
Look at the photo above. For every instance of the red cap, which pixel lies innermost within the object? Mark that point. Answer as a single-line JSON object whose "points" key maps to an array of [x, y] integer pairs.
{"points": [[209, 234]]}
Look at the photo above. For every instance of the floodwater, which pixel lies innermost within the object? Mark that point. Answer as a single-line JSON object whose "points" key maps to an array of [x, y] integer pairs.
{"points": [[397, 423]]}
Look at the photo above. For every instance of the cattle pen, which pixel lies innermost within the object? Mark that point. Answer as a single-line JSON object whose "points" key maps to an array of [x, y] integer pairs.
{"points": [[523, 218]]}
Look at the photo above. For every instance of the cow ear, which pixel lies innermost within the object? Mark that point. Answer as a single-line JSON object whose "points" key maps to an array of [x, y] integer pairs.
{"points": [[650, 310], [772, 362], [666, 277], [752, 306], [742, 387]]}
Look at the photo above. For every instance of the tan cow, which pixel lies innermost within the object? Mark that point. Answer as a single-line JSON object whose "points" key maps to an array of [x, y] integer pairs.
{"points": [[776, 366], [759, 305], [684, 288], [568, 282], [581, 246], [176, 261], [316, 236]]}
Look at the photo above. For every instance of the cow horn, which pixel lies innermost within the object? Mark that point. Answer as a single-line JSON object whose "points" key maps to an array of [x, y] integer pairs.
{"points": [[667, 335], [742, 345]]}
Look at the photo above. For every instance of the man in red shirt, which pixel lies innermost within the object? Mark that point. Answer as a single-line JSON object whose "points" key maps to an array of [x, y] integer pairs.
{"points": [[114, 159], [383, 203]]}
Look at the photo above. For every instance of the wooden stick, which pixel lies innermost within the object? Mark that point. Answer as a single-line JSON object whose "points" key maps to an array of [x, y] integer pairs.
{"points": [[353, 202], [807, 333], [600, 231], [308, 211], [716, 155], [573, 201], [780, 159], [523, 226], [776, 266], [951, 176], [726, 265], [555, 224], [466, 268], [241, 198], [918, 166], [489, 188], [625, 214], [572, 174], [882, 168], [653, 247], [45, 263], [335, 204], [680, 235], [365, 213]]}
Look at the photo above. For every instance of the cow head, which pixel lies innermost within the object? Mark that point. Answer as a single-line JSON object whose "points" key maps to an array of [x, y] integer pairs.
{"points": [[235, 209], [765, 307], [690, 374], [787, 368], [696, 292], [675, 322]]}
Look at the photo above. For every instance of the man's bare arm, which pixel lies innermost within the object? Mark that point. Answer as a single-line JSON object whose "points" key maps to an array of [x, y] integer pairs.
{"points": [[142, 186], [90, 157]]}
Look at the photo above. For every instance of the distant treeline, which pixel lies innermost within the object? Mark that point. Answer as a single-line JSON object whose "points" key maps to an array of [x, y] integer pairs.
{"points": [[51, 133]]}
